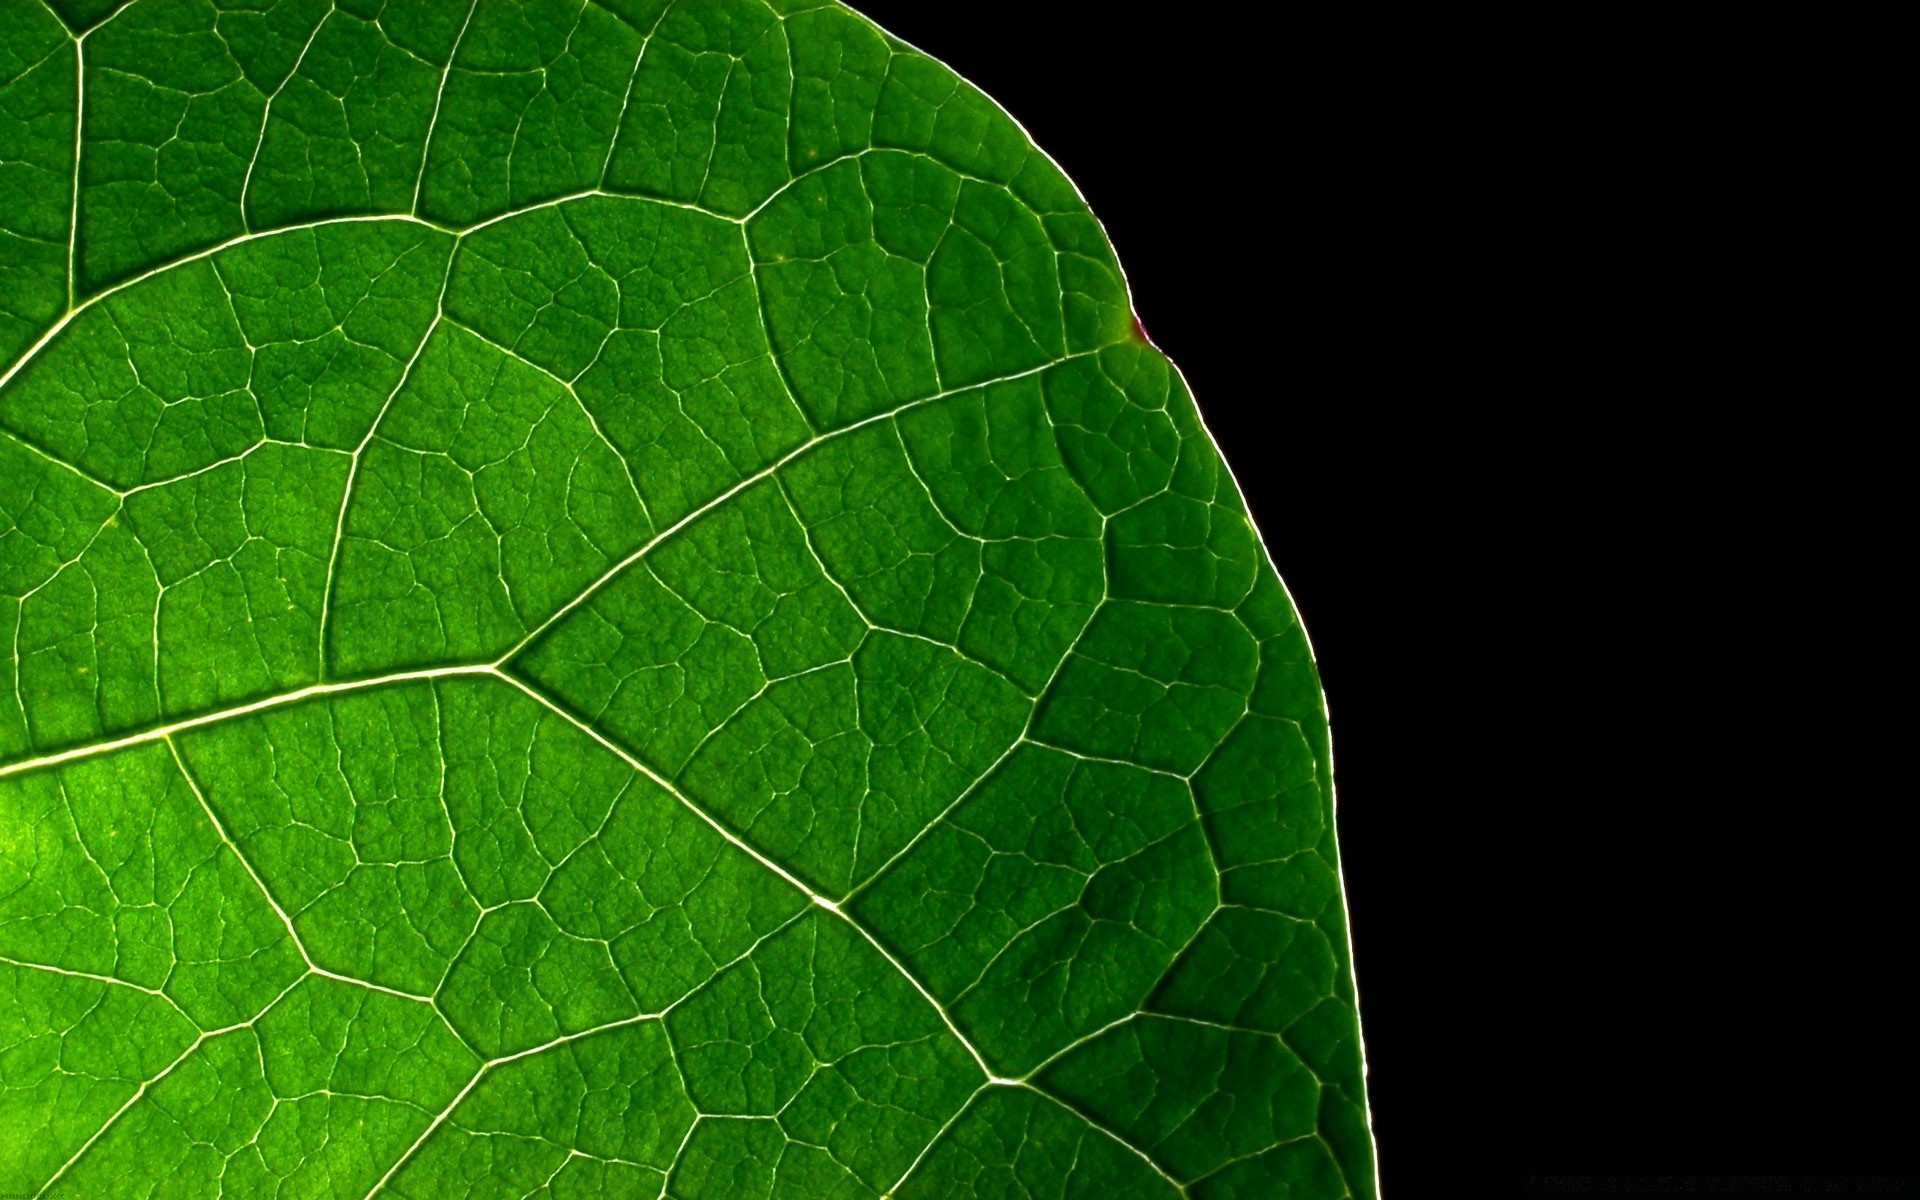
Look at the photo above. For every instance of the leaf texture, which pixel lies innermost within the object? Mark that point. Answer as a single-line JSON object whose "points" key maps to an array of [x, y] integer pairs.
{"points": [[605, 599]]}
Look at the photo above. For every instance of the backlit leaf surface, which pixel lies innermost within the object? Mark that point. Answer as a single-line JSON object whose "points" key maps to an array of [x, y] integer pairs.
{"points": [[605, 599]]}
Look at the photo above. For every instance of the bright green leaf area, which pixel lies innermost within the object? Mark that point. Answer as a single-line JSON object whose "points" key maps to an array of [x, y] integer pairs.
{"points": [[604, 599]]}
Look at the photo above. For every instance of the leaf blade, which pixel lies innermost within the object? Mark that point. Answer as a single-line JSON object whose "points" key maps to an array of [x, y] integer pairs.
{"points": [[733, 533]]}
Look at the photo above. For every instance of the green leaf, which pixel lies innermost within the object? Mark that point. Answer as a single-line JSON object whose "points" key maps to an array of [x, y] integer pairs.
{"points": [[605, 597]]}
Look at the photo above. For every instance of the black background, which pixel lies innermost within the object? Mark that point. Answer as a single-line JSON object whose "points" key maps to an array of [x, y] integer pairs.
{"points": [[1480, 316]]}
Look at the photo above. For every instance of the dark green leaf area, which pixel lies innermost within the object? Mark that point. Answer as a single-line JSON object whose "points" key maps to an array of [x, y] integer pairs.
{"points": [[602, 598], [1071, 885]]}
